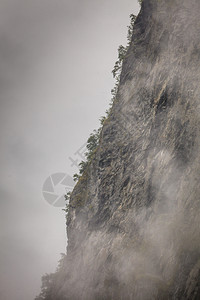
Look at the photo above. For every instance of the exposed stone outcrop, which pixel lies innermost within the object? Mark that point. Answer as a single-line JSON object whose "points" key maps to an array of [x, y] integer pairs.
{"points": [[134, 218]]}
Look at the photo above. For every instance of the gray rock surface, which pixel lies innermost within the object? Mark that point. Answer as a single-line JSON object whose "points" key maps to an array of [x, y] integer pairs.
{"points": [[134, 218]]}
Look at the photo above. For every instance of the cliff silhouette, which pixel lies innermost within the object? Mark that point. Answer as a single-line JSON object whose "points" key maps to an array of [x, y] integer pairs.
{"points": [[134, 215]]}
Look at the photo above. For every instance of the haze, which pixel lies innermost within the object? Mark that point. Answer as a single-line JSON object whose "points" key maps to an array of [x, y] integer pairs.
{"points": [[56, 59]]}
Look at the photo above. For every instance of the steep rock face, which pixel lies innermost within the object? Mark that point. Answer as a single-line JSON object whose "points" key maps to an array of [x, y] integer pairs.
{"points": [[134, 218]]}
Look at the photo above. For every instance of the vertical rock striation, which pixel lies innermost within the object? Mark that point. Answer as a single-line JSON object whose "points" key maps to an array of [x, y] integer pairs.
{"points": [[134, 217]]}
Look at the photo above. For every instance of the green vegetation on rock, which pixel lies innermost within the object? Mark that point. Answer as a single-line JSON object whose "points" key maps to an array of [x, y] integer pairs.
{"points": [[94, 138], [48, 281]]}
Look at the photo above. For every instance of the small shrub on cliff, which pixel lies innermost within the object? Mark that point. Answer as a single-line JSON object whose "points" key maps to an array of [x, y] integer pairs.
{"points": [[66, 209], [122, 53], [92, 144], [47, 286]]}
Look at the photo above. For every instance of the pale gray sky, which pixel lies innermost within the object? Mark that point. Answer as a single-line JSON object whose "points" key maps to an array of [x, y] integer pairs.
{"points": [[56, 58]]}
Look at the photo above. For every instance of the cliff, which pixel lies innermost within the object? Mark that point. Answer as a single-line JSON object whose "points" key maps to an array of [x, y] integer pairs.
{"points": [[134, 218]]}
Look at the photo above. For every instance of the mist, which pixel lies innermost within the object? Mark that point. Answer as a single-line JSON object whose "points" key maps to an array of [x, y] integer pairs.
{"points": [[133, 222], [56, 59]]}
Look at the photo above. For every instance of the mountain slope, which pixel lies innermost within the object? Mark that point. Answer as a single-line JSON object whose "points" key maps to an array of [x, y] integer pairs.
{"points": [[133, 223]]}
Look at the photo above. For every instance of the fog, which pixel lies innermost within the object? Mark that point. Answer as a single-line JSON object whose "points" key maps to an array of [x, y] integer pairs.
{"points": [[145, 249], [56, 59]]}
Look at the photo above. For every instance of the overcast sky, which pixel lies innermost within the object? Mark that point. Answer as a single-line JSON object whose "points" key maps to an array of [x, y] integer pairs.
{"points": [[56, 58]]}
